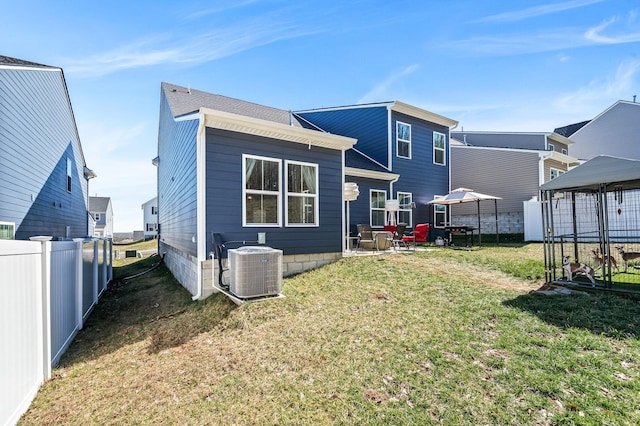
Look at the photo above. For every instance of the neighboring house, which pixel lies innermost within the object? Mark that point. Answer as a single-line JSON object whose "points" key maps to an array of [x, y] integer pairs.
{"points": [[508, 165], [402, 154], [43, 174], [244, 171], [102, 212], [614, 132], [150, 218]]}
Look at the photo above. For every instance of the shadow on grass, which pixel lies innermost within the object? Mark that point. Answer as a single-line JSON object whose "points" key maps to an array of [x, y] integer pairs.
{"points": [[152, 308], [612, 315]]}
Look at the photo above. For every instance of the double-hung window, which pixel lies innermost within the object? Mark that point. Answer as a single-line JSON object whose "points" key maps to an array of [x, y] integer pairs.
{"points": [[404, 213], [377, 211], [302, 194], [403, 140], [261, 191], [439, 148]]}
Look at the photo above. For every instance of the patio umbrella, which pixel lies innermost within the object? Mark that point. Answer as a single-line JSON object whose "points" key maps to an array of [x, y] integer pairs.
{"points": [[466, 195]]}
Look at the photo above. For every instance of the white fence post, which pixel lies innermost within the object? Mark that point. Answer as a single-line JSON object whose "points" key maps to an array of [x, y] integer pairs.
{"points": [[79, 281], [46, 308], [95, 272]]}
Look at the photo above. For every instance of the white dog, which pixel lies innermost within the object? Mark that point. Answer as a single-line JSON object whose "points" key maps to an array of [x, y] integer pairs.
{"points": [[577, 267]]}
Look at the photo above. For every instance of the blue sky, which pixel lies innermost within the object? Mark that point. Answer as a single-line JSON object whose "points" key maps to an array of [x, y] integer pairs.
{"points": [[491, 65]]}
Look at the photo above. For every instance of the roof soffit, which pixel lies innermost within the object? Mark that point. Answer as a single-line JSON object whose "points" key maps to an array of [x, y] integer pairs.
{"points": [[254, 126]]}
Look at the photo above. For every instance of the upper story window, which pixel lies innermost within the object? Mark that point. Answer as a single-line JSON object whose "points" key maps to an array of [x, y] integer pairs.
{"points": [[302, 194], [377, 211], [69, 170], [405, 212], [96, 216], [154, 210], [261, 191], [439, 148], [403, 140], [551, 147], [564, 151]]}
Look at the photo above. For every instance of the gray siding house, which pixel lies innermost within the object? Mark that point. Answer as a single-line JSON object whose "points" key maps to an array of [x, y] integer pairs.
{"points": [[43, 174], [102, 212], [511, 166], [614, 132], [237, 169]]}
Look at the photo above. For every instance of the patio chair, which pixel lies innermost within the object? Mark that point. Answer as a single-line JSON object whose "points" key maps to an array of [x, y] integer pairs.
{"points": [[398, 237], [365, 238], [419, 234]]}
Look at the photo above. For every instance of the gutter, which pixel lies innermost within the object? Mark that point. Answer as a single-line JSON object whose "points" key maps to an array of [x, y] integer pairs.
{"points": [[201, 204]]}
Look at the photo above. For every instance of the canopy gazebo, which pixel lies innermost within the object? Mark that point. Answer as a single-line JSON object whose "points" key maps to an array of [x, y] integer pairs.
{"points": [[466, 195]]}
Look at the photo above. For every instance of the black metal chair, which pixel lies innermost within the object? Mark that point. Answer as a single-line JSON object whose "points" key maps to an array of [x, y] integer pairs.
{"points": [[397, 240]]}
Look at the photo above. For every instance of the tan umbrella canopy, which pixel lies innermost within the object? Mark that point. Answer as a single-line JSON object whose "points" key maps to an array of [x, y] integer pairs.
{"points": [[466, 195]]}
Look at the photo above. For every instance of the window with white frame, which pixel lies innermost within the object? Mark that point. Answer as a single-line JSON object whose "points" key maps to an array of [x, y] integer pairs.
{"points": [[7, 230], [261, 191], [302, 194], [378, 213], [154, 210], [405, 212], [403, 140], [439, 213], [551, 147], [96, 216], [555, 173], [439, 148], [564, 151]]}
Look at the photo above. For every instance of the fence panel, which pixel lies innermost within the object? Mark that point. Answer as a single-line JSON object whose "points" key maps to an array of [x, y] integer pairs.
{"points": [[64, 282], [21, 327], [88, 277]]}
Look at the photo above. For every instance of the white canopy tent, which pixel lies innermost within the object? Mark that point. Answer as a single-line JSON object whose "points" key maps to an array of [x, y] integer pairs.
{"points": [[466, 195]]}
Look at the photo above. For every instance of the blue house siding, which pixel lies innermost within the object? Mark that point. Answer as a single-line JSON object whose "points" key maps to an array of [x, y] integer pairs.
{"points": [[419, 175], [224, 192], [177, 175], [368, 124], [37, 136]]}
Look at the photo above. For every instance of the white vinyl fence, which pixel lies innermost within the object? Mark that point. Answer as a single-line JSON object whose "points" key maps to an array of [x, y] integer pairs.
{"points": [[48, 290]]}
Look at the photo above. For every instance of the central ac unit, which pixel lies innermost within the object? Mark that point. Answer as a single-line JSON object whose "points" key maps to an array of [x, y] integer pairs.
{"points": [[255, 271]]}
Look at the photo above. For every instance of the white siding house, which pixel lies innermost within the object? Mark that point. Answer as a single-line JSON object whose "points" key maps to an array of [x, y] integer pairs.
{"points": [[150, 218]]}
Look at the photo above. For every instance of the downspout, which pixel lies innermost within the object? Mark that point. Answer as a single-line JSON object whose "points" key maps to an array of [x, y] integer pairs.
{"points": [[201, 239]]}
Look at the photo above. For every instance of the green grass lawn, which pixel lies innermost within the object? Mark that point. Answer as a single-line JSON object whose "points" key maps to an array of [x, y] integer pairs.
{"points": [[442, 336]]}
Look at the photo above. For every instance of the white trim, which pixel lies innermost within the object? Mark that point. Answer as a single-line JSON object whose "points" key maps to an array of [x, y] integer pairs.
{"points": [[261, 192], [269, 129], [389, 165], [423, 114], [443, 149], [350, 171], [407, 141], [201, 204], [558, 172], [316, 197], [372, 209], [23, 67]]}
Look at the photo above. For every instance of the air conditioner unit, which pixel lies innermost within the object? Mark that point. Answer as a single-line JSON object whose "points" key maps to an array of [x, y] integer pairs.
{"points": [[255, 271]]}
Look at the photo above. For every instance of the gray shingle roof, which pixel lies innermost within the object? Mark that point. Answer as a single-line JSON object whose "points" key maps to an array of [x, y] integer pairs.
{"points": [[184, 101], [99, 204], [570, 129], [7, 60]]}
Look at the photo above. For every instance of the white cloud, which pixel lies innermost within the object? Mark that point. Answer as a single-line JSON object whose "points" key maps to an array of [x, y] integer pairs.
{"points": [[601, 93], [596, 34], [532, 12], [204, 47], [383, 89]]}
